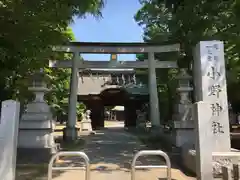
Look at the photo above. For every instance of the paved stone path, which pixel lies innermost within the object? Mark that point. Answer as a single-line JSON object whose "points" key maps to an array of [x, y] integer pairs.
{"points": [[111, 151]]}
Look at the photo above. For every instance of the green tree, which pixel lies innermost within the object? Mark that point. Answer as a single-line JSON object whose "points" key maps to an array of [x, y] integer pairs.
{"points": [[187, 22], [59, 82], [28, 29]]}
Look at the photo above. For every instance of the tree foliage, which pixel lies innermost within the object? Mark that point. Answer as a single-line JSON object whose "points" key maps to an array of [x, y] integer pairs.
{"points": [[187, 22], [28, 30]]}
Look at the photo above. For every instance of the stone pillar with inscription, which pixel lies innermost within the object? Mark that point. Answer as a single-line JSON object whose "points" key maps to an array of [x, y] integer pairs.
{"points": [[183, 126], [211, 87], [36, 134]]}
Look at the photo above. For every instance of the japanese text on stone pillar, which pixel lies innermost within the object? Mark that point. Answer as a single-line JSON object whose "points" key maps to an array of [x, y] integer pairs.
{"points": [[215, 88]]}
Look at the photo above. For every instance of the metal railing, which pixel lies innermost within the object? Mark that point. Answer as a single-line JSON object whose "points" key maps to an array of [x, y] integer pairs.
{"points": [[51, 168], [147, 153]]}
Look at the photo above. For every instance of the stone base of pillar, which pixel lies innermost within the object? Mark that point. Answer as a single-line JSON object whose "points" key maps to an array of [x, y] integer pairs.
{"points": [[36, 141], [36, 131], [35, 155], [70, 134], [86, 125], [36, 138], [183, 132]]}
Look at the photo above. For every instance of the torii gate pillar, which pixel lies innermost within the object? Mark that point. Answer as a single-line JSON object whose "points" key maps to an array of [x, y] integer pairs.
{"points": [[153, 94], [71, 131]]}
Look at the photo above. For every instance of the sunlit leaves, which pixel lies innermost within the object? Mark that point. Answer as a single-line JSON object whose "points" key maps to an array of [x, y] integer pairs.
{"points": [[190, 21], [28, 29]]}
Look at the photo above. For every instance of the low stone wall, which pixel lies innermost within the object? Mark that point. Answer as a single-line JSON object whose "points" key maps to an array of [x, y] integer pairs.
{"points": [[188, 156]]}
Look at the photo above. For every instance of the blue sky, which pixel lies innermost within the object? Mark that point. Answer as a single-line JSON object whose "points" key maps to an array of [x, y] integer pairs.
{"points": [[117, 25]]}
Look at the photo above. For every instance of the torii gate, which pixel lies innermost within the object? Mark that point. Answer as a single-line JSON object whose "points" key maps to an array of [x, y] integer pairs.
{"points": [[113, 48]]}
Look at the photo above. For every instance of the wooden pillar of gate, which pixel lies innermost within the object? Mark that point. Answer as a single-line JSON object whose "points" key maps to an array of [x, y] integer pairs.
{"points": [[97, 112], [130, 113]]}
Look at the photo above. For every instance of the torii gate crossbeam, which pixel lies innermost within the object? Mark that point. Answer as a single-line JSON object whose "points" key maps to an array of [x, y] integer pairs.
{"points": [[106, 64]]}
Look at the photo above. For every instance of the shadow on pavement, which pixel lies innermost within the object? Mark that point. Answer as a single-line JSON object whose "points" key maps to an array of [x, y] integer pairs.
{"points": [[109, 150], [113, 149]]}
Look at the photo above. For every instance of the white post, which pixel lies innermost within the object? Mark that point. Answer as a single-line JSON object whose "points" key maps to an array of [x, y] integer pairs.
{"points": [[72, 115], [152, 85], [9, 123], [203, 131]]}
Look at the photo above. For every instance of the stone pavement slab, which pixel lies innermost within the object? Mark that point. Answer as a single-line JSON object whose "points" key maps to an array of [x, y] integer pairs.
{"points": [[110, 152]]}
